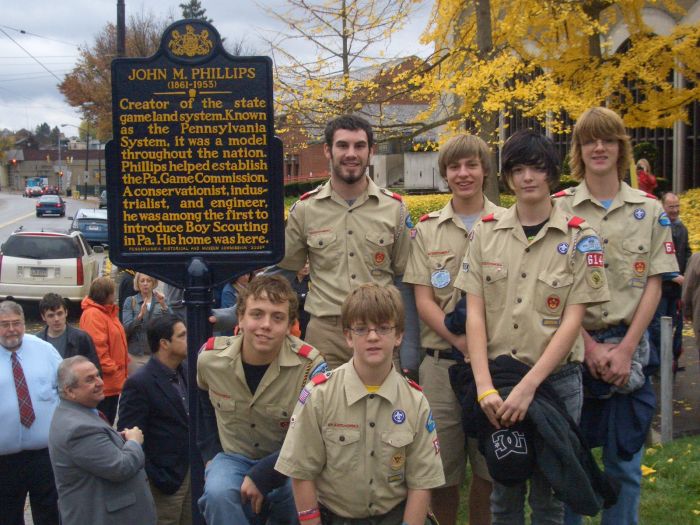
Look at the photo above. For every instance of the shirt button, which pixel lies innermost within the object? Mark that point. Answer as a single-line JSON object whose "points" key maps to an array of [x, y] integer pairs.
{"points": [[605, 241], [641, 247], [371, 481], [256, 445], [341, 438], [488, 278], [527, 250], [520, 299], [284, 414], [372, 453], [515, 326], [605, 218], [371, 396], [513, 351], [252, 425], [605, 314], [371, 424], [351, 254], [523, 275], [349, 232], [605, 265], [352, 276], [320, 243], [555, 283], [381, 241], [370, 505]]}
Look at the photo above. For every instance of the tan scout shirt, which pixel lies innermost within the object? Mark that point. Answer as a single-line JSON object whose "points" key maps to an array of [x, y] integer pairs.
{"points": [[363, 450], [254, 425], [346, 245], [637, 243], [526, 285], [435, 260]]}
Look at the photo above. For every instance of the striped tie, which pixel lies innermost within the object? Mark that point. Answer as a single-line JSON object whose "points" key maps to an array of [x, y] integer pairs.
{"points": [[26, 410]]}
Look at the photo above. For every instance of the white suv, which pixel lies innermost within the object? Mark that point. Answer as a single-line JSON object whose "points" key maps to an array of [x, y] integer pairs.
{"points": [[35, 263]]}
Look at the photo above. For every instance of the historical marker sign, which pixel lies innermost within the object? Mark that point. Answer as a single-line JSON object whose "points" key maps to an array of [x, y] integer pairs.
{"points": [[194, 169]]}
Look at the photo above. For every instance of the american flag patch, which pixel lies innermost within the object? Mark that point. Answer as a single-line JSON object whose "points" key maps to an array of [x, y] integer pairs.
{"points": [[304, 395]]}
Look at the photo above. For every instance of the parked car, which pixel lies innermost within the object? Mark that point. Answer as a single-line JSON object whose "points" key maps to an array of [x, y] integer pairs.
{"points": [[50, 205], [35, 263], [103, 199], [92, 224]]}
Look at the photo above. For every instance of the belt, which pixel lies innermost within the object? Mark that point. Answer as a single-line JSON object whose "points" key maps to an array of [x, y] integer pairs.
{"points": [[452, 354]]}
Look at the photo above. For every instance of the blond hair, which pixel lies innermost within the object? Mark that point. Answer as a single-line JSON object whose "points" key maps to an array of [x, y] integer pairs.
{"points": [[464, 146], [373, 304], [137, 275]]}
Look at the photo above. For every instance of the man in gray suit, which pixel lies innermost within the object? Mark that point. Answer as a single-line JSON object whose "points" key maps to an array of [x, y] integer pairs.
{"points": [[99, 472]]}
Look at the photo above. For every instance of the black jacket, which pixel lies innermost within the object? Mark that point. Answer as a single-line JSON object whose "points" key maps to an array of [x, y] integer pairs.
{"points": [[560, 450], [149, 401], [77, 343]]}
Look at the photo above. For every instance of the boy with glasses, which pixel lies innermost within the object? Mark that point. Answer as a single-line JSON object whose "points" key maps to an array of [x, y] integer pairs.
{"points": [[362, 446]]}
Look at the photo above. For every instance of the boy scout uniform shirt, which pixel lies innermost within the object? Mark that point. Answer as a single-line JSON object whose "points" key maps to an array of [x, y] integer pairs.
{"points": [[254, 425], [435, 260], [347, 245], [526, 285], [364, 451], [636, 238]]}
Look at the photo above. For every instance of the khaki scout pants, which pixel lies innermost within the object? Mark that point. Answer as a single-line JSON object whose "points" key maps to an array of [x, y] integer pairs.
{"points": [[174, 509]]}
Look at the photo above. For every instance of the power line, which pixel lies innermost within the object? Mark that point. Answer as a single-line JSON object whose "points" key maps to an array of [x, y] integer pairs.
{"points": [[22, 31], [32, 56]]}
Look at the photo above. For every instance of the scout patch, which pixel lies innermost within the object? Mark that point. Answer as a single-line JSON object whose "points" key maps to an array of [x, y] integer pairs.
{"points": [[640, 267], [397, 461], [551, 322], [395, 478], [553, 302], [398, 416], [669, 247], [639, 214], [412, 233], [379, 257], [409, 222], [430, 423], [635, 282], [320, 369], [436, 446], [465, 267], [595, 278], [594, 260], [664, 220], [304, 395], [589, 243], [563, 247], [440, 278]]}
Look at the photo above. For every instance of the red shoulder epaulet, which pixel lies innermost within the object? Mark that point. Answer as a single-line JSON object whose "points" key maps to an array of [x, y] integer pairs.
{"points": [[561, 193], [319, 378], [305, 196], [650, 195], [488, 218], [209, 344], [414, 384], [305, 350], [397, 197], [424, 217], [576, 222]]}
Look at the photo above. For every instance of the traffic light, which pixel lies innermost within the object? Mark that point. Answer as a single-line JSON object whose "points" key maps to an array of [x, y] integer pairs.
{"points": [[60, 173], [13, 162]]}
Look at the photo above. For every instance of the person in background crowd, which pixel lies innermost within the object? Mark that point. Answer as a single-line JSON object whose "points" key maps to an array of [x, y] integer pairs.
{"points": [[155, 399], [441, 240], [301, 286], [364, 408], [28, 398], [619, 407], [645, 180], [351, 232], [99, 320], [672, 283], [231, 291], [139, 309], [99, 472], [68, 340], [249, 384], [124, 282], [691, 295]]}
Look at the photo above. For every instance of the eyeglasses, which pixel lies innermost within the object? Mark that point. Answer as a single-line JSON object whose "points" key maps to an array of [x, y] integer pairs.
{"points": [[4, 325], [606, 143], [363, 331]]}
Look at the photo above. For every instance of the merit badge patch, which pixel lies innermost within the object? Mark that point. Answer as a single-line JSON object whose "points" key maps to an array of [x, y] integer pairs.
{"points": [[594, 260], [639, 214], [398, 416], [640, 267], [409, 222], [379, 257], [664, 220], [595, 278], [669, 247], [553, 302], [412, 233], [589, 243], [440, 278], [430, 423], [563, 247], [304, 395], [436, 446], [465, 267], [397, 461]]}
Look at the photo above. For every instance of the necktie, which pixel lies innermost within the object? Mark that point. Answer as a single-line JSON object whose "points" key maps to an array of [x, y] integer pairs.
{"points": [[26, 410]]}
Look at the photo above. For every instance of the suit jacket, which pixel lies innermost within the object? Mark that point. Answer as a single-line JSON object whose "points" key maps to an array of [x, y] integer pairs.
{"points": [[100, 478], [150, 402], [77, 343]]}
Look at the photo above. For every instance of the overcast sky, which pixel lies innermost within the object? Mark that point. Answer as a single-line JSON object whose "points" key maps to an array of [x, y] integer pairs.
{"points": [[51, 31]]}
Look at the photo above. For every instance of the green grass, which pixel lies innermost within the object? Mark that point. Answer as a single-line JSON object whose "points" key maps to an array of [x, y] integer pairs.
{"points": [[671, 495]]}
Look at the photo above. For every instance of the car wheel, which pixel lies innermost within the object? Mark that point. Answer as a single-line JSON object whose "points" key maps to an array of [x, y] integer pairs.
{"points": [[38, 214]]}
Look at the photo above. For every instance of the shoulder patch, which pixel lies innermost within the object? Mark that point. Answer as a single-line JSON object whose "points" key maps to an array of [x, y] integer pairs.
{"points": [[425, 217], [415, 385], [650, 196], [488, 218], [576, 222], [321, 378], [305, 350], [391, 194], [310, 193], [209, 345], [562, 193]]}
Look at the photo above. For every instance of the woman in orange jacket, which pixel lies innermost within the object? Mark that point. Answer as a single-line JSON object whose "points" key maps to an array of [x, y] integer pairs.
{"points": [[100, 320]]}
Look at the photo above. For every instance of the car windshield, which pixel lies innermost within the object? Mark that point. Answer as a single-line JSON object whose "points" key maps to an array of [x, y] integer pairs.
{"points": [[49, 198], [41, 247]]}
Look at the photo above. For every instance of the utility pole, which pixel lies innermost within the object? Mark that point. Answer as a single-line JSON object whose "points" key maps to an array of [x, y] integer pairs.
{"points": [[121, 29], [87, 154]]}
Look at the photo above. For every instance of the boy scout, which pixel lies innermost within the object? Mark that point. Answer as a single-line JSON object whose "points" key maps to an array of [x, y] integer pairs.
{"points": [[636, 236], [362, 446], [249, 386], [351, 231], [529, 273], [434, 262]]}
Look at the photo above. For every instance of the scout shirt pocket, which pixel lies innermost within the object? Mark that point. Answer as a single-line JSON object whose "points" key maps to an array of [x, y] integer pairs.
{"points": [[442, 269], [280, 415], [635, 253], [342, 449], [323, 248], [495, 281], [394, 454], [378, 251], [551, 293]]}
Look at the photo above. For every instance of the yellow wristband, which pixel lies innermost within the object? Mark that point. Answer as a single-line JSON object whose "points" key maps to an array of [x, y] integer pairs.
{"points": [[486, 394]]}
